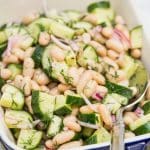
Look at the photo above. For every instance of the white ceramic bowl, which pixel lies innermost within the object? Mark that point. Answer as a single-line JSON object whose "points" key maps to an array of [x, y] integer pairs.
{"points": [[11, 10]]}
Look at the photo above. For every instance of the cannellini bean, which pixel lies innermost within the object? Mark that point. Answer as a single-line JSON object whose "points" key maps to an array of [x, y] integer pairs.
{"points": [[70, 145], [99, 78], [28, 63], [57, 54], [63, 137], [63, 87], [70, 123], [44, 89], [2, 65], [18, 81], [28, 103], [112, 54], [44, 38], [129, 134], [92, 18], [19, 53], [26, 86], [136, 53], [110, 62], [119, 20], [121, 61], [100, 49], [148, 93], [5, 73], [75, 111], [29, 51], [49, 144], [73, 73], [52, 85], [54, 91], [87, 109], [10, 59], [34, 85], [107, 32], [81, 70], [105, 115], [115, 45], [129, 117], [99, 38], [29, 18], [90, 88], [28, 72]]}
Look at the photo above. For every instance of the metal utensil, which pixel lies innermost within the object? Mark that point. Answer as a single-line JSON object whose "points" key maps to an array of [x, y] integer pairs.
{"points": [[117, 142]]}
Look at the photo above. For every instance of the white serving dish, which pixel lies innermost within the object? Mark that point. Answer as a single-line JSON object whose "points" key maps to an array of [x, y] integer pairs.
{"points": [[11, 10]]}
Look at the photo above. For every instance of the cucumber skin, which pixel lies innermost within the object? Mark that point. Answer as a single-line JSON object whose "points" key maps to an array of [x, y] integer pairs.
{"points": [[2, 82], [64, 110], [121, 90], [2, 49], [143, 129], [74, 100], [146, 108]]}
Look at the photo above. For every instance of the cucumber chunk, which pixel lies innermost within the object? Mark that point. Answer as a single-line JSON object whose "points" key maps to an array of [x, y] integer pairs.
{"points": [[37, 55], [18, 119], [87, 132], [119, 89], [43, 105], [12, 98], [137, 37], [15, 69], [2, 49], [99, 136], [87, 56], [2, 82], [61, 30], [61, 107], [139, 122], [54, 126], [29, 139], [3, 37], [146, 108]]}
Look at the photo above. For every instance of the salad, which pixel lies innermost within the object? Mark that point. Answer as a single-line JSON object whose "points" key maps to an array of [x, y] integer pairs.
{"points": [[64, 75]]}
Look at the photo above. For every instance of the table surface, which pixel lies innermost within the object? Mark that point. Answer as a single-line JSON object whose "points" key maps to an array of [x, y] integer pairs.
{"points": [[143, 11]]}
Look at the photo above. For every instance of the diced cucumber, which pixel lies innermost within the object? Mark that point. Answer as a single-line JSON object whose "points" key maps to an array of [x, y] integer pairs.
{"points": [[2, 82], [43, 105], [146, 108], [15, 69], [37, 55], [12, 98], [87, 56], [130, 66], [54, 127], [70, 58], [61, 30], [74, 99], [119, 89], [15, 132], [82, 25], [92, 118], [3, 37], [99, 136], [139, 122], [87, 132], [140, 77], [29, 139], [143, 129], [137, 37], [18, 119], [2, 48], [61, 107], [96, 5]]}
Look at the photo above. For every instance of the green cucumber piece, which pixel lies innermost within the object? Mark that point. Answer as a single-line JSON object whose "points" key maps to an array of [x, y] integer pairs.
{"points": [[99, 136], [61, 107], [43, 105], [146, 108], [143, 129], [18, 119], [29, 139], [139, 122], [3, 37], [87, 56], [12, 97], [119, 89], [37, 55], [2, 49], [137, 37], [87, 132], [15, 69], [2, 82], [54, 126]]}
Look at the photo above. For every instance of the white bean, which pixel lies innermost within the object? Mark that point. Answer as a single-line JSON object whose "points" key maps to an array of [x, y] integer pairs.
{"points": [[5, 73], [75, 111], [34, 85], [112, 54], [28, 103], [28, 72], [92, 18], [99, 78], [18, 81], [29, 51], [49, 144], [107, 32], [30, 18], [26, 86], [10, 59], [87, 109], [63, 137], [44, 38], [63, 87], [129, 117], [54, 91], [44, 89], [19, 53], [28, 63], [136, 53]]}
